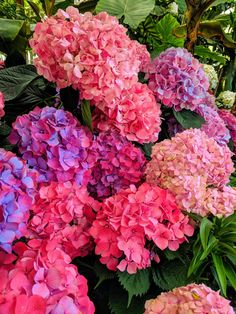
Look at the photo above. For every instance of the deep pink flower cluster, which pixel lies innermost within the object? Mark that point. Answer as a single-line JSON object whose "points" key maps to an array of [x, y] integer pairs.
{"points": [[119, 163], [135, 222], [134, 113], [178, 79], [43, 281], [64, 212], [192, 299], [192, 166], [92, 53], [18, 186], [230, 121], [2, 113], [53, 142]]}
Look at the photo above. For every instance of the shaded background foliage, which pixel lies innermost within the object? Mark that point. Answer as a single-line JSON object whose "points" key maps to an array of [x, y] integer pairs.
{"points": [[208, 29]]}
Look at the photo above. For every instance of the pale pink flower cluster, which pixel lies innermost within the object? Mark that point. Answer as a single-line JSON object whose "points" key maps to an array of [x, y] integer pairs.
{"points": [[195, 169], [18, 186], [134, 113], [135, 222], [190, 299], [43, 281], [119, 163], [230, 121], [178, 79], [64, 212], [2, 113], [53, 142]]}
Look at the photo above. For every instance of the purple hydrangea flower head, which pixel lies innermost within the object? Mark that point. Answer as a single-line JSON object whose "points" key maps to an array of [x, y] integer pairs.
{"points": [[230, 121], [178, 79], [18, 185], [53, 142]]}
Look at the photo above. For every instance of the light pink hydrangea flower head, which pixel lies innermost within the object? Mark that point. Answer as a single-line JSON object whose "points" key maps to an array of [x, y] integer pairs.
{"points": [[135, 222], [191, 165], [178, 79], [191, 299]]}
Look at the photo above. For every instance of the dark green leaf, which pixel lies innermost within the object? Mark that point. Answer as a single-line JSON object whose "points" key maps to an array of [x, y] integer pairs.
{"points": [[86, 114], [189, 119], [231, 274], [9, 29], [205, 228], [134, 12], [102, 273], [181, 5], [4, 129], [211, 245], [136, 284], [206, 53], [220, 270]]}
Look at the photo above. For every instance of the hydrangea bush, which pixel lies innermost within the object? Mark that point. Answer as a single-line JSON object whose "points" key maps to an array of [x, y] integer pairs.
{"points": [[122, 173]]}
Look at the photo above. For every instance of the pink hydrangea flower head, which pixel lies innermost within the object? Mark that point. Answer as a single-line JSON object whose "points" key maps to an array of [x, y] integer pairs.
{"points": [[43, 281], [132, 218], [192, 299], [53, 142], [18, 186], [230, 121], [92, 53], [134, 113], [187, 165], [178, 79], [2, 113], [64, 212], [119, 164]]}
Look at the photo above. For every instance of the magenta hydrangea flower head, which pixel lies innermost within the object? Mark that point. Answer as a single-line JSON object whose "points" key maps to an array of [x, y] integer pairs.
{"points": [[44, 280], [191, 165], [53, 142], [135, 222], [92, 53], [193, 298], [18, 185], [64, 212], [178, 79], [230, 121], [119, 164], [134, 113], [2, 113]]}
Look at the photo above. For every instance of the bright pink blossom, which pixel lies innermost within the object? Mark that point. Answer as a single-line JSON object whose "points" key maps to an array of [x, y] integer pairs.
{"points": [[64, 212], [53, 142], [119, 163], [18, 185], [189, 165], [178, 79], [2, 113], [230, 121], [191, 299], [132, 218]]}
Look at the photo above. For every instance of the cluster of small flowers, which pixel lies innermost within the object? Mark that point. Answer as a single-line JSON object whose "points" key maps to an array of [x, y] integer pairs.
{"points": [[226, 99], [230, 121], [2, 113], [196, 169], [192, 299], [42, 281], [178, 79], [64, 212], [211, 75], [53, 142], [95, 55], [119, 163], [18, 186], [135, 222]]}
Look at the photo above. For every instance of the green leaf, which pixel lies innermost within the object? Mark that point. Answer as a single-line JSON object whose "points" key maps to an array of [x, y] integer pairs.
{"points": [[14, 80], [205, 228], [9, 29], [86, 114], [136, 284], [165, 30], [205, 52], [188, 119], [102, 273], [181, 6], [134, 12], [170, 275], [210, 247], [217, 2], [230, 274], [220, 270], [4, 129]]}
